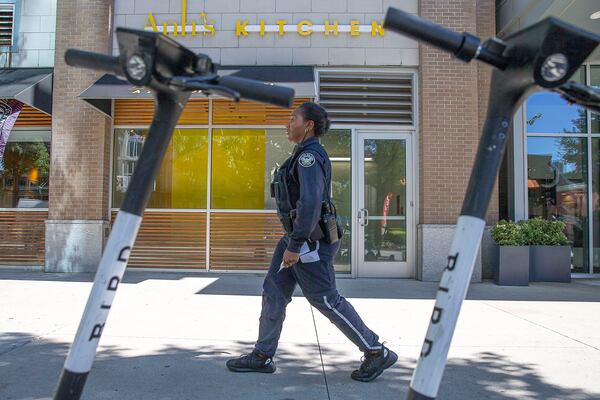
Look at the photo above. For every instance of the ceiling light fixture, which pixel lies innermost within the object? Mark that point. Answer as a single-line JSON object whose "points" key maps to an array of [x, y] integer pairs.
{"points": [[595, 15]]}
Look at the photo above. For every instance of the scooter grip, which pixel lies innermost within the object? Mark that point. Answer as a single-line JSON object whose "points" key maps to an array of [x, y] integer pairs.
{"points": [[259, 91], [423, 30], [95, 61]]}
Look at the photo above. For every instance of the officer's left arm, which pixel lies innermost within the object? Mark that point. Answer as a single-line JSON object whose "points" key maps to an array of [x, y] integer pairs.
{"points": [[308, 207]]}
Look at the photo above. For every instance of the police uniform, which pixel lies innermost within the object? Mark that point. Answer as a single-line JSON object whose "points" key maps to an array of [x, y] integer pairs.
{"points": [[306, 179]]}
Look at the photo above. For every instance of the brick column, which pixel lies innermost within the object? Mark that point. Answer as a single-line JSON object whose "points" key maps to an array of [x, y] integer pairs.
{"points": [[78, 212], [453, 99]]}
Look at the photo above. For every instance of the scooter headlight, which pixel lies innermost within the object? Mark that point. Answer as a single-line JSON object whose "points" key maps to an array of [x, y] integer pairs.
{"points": [[136, 67], [555, 67]]}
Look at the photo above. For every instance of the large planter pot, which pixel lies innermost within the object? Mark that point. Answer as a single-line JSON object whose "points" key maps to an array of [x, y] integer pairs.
{"points": [[550, 264], [512, 266]]}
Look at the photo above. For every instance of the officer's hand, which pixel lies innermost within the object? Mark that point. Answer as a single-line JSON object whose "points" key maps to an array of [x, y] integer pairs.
{"points": [[290, 258]]}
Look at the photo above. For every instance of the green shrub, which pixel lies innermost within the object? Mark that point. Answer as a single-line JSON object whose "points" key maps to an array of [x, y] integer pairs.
{"points": [[508, 233], [543, 232]]}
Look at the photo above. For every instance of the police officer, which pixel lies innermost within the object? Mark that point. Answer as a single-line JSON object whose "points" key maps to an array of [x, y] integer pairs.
{"points": [[304, 255]]}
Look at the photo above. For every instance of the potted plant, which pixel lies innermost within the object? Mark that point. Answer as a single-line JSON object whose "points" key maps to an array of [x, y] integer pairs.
{"points": [[550, 254], [512, 255]]}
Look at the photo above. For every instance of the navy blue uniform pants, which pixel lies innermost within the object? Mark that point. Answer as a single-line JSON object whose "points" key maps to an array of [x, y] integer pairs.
{"points": [[317, 281]]}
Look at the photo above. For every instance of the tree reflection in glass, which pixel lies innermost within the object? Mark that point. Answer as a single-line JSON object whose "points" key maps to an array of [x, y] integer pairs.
{"points": [[557, 188], [24, 174]]}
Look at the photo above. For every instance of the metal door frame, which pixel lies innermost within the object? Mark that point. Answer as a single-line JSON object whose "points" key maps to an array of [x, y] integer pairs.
{"points": [[358, 267]]}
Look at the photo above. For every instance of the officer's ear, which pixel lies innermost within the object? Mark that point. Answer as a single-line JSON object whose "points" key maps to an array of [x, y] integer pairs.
{"points": [[310, 125]]}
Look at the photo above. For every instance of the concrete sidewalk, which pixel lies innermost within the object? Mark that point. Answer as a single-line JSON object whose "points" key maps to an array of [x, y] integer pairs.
{"points": [[169, 334]]}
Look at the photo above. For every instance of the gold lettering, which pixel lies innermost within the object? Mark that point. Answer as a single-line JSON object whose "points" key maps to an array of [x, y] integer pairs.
{"points": [[152, 22], [377, 28], [332, 28], [209, 29], [240, 29], [183, 18], [281, 24], [262, 27], [301, 25], [354, 28]]}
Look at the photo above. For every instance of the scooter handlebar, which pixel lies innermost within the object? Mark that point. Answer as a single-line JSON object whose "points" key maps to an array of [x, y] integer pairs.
{"points": [[95, 61], [423, 30], [259, 91], [247, 88]]}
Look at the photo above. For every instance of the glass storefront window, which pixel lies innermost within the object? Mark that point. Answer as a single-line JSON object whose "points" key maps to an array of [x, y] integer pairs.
{"points": [[181, 182], [595, 81], [242, 163], [596, 204], [338, 144], [24, 170], [548, 113], [557, 188]]}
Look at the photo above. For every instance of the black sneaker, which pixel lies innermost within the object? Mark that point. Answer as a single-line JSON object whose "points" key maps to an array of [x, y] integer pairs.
{"points": [[253, 362], [373, 364]]}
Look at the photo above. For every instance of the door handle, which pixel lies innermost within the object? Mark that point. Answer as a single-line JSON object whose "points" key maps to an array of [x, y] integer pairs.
{"points": [[363, 217]]}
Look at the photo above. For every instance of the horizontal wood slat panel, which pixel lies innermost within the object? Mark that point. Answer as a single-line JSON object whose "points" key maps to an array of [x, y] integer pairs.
{"points": [[139, 112], [22, 237], [251, 113], [170, 240], [243, 241], [29, 116]]}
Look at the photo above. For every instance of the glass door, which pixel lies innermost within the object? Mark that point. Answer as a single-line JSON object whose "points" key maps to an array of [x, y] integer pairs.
{"points": [[385, 205]]}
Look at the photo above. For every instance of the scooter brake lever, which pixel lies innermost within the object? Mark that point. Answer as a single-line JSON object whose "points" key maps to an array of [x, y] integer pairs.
{"points": [[204, 84], [580, 94]]}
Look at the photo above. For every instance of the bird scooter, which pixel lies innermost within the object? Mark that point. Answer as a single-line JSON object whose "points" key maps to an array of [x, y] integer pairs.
{"points": [[171, 72], [543, 56]]}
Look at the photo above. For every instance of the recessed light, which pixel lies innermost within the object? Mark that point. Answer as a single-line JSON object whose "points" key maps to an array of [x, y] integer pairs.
{"points": [[595, 15]]}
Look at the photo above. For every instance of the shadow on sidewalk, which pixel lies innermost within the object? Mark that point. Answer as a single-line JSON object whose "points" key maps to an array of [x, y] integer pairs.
{"points": [[251, 285], [30, 371]]}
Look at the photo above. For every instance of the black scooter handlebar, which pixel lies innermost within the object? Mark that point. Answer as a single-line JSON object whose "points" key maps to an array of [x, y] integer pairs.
{"points": [[259, 91], [95, 61], [463, 46], [247, 88], [423, 30]]}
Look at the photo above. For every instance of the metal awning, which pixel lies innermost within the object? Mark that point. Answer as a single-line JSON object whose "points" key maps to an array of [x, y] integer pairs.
{"points": [[32, 86], [108, 87]]}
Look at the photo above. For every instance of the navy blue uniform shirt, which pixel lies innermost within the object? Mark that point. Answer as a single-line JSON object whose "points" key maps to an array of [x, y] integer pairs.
{"points": [[307, 189]]}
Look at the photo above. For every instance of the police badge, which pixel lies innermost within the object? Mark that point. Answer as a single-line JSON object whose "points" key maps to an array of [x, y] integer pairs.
{"points": [[306, 160]]}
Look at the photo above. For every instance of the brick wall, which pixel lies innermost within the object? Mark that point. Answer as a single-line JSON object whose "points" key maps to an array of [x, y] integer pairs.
{"points": [[80, 134], [453, 98], [486, 27]]}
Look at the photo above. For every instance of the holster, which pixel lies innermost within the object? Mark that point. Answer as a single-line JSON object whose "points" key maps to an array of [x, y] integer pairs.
{"points": [[328, 224], [288, 225]]}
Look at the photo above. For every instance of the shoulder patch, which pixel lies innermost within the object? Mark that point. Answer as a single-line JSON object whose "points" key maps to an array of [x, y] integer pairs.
{"points": [[306, 159]]}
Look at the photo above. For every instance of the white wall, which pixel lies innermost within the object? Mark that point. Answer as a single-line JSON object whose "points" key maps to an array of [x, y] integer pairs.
{"points": [[35, 39], [226, 48]]}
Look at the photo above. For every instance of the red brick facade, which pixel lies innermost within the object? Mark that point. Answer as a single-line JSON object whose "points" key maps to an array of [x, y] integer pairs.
{"points": [[453, 99], [79, 183]]}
